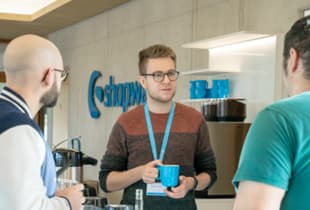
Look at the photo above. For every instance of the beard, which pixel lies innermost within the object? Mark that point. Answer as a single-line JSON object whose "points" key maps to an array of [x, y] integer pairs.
{"points": [[49, 99]]}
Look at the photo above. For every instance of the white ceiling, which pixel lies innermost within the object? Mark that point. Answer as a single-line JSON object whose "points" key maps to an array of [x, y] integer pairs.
{"points": [[24, 7], [68, 14]]}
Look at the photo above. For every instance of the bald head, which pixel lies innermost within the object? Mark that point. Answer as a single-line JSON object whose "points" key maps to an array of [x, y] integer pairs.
{"points": [[29, 62], [28, 54]]}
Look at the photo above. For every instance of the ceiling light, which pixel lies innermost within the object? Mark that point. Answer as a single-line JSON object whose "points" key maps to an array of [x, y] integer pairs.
{"points": [[23, 7], [27, 10], [227, 39]]}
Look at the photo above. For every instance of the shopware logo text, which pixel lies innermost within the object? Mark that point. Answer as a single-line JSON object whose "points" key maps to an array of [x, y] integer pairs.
{"points": [[113, 95]]}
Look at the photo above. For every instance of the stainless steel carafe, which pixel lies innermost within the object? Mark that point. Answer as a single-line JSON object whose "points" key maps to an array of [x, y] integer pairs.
{"points": [[68, 164], [69, 161]]}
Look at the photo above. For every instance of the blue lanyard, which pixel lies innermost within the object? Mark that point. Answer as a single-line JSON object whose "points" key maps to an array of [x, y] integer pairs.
{"points": [[151, 134]]}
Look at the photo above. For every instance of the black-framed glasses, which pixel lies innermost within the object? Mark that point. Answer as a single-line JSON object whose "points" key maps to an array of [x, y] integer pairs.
{"points": [[159, 76], [64, 73]]}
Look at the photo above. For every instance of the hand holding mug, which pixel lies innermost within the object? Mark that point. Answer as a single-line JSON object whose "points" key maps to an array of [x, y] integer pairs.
{"points": [[185, 184], [150, 172]]}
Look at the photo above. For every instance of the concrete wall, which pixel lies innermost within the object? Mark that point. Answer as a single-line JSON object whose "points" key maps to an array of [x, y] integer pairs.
{"points": [[109, 42], [2, 48]]}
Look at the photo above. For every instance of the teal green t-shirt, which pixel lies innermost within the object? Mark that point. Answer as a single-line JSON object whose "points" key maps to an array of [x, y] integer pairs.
{"points": [[277, 151]]}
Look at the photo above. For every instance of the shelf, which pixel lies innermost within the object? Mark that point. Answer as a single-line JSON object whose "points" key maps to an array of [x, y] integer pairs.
{"points": [[226, 39], [208, 72]]}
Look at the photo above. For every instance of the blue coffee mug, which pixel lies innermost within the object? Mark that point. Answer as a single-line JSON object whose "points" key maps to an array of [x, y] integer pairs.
{"points": [[192, 89], [201, 84], [201, 92], [168, 175]]}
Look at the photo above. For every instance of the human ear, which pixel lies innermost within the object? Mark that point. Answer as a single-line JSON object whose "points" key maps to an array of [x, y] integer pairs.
{"points": [[142, 81], [48, 77], [293, 60]]}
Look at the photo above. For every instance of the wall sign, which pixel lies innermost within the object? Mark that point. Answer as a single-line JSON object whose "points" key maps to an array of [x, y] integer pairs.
{"points": [[113, 95]]}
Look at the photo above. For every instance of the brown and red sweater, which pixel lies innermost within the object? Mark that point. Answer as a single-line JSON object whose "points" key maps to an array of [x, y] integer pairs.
{"points": [[188, 146]]}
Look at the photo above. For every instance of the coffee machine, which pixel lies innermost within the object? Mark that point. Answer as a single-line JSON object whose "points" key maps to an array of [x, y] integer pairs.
{"points": [[69, 169]]}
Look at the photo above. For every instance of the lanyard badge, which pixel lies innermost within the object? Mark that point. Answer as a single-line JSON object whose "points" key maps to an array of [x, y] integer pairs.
{"points": [[157, 189], [151, 134]]}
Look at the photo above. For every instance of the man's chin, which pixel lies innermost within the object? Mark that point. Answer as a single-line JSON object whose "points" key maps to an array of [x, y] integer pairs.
{"points": [[166, 100], [50, 105]]}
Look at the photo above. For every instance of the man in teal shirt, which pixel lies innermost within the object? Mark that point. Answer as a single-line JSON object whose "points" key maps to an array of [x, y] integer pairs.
{"points": [[274, 167]]}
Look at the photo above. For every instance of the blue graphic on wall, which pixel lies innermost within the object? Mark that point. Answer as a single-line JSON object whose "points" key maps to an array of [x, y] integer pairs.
{"points": [[113, 95]]}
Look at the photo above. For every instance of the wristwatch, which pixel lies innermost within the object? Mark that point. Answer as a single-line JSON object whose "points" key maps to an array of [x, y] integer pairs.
{"points": [[195, 183]]}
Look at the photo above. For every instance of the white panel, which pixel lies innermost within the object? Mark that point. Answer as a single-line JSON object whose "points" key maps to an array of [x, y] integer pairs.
{"points": [[256, 62]]}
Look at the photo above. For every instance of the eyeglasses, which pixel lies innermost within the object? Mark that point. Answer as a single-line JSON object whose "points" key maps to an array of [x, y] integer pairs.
{"points": [[64, 73], [159, 76]]}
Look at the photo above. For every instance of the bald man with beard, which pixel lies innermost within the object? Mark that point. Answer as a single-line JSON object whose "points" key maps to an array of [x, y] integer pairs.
{"points": [[34, 73]]}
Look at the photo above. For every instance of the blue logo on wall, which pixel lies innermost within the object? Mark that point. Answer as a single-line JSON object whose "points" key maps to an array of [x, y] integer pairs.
{"points": [[113, 95]]}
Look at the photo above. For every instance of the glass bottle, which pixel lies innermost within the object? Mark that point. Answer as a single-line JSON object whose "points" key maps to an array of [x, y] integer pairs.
{"points": [[139, 199]]}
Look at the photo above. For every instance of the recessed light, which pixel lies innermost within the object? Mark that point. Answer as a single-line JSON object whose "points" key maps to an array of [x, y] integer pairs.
{"points": [[27, 10]]}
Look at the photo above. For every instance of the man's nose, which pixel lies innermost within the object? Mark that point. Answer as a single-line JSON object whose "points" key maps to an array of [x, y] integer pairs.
{"points": [[166, 78]]}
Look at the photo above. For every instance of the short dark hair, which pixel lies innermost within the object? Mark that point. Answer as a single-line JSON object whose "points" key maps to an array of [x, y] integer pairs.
{"points": [[298, 38], [154, 51]]}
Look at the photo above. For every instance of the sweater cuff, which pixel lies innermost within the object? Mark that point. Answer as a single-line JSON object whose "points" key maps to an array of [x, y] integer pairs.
{"points": [[195, 183]]}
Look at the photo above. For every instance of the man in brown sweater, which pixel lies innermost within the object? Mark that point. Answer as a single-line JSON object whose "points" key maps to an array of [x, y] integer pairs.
{"points": [[137, 145]]}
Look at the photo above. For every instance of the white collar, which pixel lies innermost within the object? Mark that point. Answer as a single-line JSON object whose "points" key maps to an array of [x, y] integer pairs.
{"points": [[15, 99]]}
